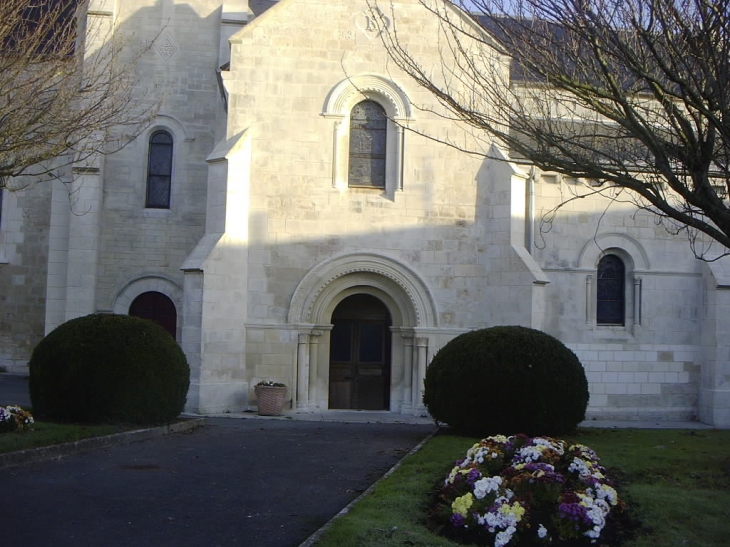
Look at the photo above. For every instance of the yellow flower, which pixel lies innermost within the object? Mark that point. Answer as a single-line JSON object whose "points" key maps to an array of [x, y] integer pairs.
{"points": [[516, 509], [462, 504], [498, 438], [452, 475]]}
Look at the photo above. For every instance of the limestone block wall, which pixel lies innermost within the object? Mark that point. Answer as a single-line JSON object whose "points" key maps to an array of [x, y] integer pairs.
{"points": [[214, 310], [178, 74], [714, 400], [641, 381], [450, 222], [271, 353], [24, 232], [443, 216], [650, 367]]}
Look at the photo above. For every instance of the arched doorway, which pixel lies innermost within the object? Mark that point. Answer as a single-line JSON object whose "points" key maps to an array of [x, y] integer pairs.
{"points": [[156, 307], [359, 372]]}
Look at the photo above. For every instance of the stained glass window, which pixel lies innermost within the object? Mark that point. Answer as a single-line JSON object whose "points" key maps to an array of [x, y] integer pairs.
{"points": [[159, 171], [368, 124], [611, 295]]}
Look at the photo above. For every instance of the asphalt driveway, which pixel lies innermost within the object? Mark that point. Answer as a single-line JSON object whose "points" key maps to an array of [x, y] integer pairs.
{"points": [[250, 482]]}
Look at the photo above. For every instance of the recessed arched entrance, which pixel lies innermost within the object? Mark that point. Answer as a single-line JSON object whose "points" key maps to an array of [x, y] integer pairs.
{"points": [[156, 307], [359, 371], [331, 303]]}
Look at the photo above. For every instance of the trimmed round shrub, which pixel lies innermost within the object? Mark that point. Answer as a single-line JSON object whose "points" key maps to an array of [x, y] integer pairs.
{"points": [[506, 380], [105, 368]]}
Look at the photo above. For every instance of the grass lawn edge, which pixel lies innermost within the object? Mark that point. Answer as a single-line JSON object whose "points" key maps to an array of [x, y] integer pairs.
{"points": [[45, 453], [312, 540], [675, 483]]}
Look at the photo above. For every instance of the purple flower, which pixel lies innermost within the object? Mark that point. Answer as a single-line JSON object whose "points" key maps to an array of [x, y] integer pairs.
{"points": [[457, 520], [574, 512], [473, 476]]}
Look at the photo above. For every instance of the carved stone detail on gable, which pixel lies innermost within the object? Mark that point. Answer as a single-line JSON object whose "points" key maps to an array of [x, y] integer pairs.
{"points": [[372, 23], [166, 46]]}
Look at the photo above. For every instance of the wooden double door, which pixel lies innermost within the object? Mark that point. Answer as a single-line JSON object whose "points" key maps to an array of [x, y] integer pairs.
{"points": [[360, 354]]}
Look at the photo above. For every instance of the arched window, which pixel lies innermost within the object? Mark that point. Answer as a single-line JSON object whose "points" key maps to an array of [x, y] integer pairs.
{"points": [[156, 307], [611, 294], [368, 124], [159, 171]]}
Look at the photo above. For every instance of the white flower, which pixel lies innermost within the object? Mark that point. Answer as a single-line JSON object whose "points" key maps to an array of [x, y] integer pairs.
{"points": [[503, 538], [542, 532], [579, 466], [529, 454], [479, 454], [558, 447], [605, 492], [484, 486], [594, 533]]}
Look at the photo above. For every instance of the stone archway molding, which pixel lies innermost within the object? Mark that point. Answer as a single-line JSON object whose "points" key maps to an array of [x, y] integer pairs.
{"points": [[350, 91], [312, 299], [148, 283], [592, 251]]}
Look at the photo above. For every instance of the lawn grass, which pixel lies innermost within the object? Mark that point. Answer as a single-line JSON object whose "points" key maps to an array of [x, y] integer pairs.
{"points": [[676, 482], [46, 434]]}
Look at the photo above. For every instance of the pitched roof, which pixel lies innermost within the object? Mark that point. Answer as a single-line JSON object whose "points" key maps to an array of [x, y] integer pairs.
{"points": [[260, 6]]}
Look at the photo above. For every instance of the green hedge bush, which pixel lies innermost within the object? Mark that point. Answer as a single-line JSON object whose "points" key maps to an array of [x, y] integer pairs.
{"points": [[105, 368], [506, 380]]}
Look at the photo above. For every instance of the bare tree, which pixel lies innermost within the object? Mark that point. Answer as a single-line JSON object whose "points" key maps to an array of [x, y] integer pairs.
{"points": [[66, 88], [630, 95]]}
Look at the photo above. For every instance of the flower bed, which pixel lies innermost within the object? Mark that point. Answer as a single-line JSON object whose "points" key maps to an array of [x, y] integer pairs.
{"points": [[518, 491], [14, 418]]}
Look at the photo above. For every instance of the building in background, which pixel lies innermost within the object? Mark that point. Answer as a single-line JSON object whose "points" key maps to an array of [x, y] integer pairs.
{"points": [[281, 223]]}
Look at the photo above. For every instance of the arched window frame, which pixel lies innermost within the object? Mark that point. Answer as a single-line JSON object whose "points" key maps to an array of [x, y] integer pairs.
{"points": [[338, 106], [632, 289], [149, 283], [159, 170], [636, 262]]}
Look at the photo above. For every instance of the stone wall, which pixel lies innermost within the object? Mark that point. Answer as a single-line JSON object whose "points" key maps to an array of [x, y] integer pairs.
{"points": [[650, 366], [450, 221], [641, 381], [24, 229], [178, 74]]}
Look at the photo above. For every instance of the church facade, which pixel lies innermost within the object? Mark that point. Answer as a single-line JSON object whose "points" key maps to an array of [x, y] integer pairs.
{"points": [[286, 218]]}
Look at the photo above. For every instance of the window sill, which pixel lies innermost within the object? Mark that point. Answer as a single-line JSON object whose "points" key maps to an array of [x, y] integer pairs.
{"points": [[159, 213], [365, 187], [614, 332]]}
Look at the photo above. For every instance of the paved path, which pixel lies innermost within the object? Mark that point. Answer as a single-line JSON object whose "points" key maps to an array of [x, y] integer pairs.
{"points": [[249, 482], [255, 483]]}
